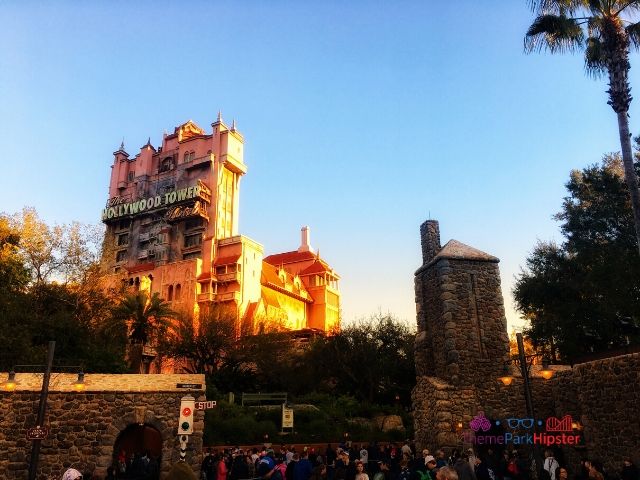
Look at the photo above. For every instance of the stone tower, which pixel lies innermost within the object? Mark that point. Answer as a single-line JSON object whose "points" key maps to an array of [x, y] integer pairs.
{"points": [[462, 342]]}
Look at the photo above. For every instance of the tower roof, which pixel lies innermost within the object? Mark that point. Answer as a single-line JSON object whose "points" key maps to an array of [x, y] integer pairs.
{"points": [[455, 250]]}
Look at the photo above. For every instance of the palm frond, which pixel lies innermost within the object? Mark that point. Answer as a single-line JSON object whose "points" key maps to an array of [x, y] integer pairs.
{"points": [[594, 58], [596, 6], [557, 7], [595, 26], [557, 33], [627, 5], [633, 31]]}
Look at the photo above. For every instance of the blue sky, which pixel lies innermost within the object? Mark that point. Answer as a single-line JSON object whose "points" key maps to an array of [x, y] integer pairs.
{"points": [[361, 119]]}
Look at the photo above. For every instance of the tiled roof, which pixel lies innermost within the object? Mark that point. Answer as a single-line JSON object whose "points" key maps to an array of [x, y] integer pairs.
{"points": [[204, 276], [459, 251], [270, 298], [251, 310], [141, 268], [270, 275], [289, 257], [316, 267], [455, 250], [227, 260]]}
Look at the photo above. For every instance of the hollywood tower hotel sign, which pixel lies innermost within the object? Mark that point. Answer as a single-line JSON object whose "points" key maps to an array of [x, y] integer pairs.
{"points": [[172, 228]]}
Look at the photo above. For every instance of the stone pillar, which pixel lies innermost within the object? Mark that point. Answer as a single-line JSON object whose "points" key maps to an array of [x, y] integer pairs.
{"points": [[430, 239]]}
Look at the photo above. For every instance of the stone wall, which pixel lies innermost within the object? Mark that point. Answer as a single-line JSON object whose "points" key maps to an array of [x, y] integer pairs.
{"points": [[84, 426], [604, 396]]}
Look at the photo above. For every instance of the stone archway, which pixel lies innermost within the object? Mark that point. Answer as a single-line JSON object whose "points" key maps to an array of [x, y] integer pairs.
{"points": [[140, 445]]}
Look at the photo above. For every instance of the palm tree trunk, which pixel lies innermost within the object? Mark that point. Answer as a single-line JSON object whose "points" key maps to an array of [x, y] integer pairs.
{"points": [[616, 47], [629, 170]]}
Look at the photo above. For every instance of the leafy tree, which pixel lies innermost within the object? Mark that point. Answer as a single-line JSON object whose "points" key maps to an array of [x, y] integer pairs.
{"points": [[63, 253], [604, 30], [34, 310], [584, 295], [372, 360]]}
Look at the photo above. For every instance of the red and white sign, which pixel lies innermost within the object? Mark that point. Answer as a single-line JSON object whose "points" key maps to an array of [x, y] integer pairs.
{"points": [[205, 405]]}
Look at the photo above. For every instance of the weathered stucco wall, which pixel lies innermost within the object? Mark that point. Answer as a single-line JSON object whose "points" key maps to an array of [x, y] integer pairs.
{"points": [[84, 426]]}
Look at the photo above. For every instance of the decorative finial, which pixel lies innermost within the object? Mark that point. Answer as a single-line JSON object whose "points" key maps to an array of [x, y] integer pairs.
{"points": [[149, 141], [122, 144], [233, 124], [220, 116]]}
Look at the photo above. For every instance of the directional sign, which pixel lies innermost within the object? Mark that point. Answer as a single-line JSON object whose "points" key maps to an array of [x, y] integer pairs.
{"points": [[205, 405], [191, 386], [37, 433]]}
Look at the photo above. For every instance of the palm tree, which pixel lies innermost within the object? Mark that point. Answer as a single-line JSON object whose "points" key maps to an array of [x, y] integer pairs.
{"points": [[146, 318], [604, 30]]}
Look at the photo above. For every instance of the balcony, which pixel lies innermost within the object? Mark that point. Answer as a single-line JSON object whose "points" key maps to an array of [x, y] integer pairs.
{"points": [[143, 254], [233, 164], [227, 297], [228, 277], [198, 162], [206, 297], [143, 237], [219, 297]]}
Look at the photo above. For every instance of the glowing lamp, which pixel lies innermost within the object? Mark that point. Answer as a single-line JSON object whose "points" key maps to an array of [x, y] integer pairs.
{"points": [[506, 377], [546, 372], [10, 384], [79, 384]]}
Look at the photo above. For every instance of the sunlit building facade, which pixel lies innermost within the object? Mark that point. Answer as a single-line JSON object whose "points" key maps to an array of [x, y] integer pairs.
{"points": [[172, 228]]}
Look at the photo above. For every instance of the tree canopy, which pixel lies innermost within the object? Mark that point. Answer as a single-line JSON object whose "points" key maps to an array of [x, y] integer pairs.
{"points": [[583, 295], [50, 290]]}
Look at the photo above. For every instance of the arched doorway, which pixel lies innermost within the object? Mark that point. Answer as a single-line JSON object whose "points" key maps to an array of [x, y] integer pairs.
{"points": [[140, 446]]}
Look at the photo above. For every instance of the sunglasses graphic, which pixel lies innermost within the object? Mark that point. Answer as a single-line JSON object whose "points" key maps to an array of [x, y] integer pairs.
{"points": [[520, 422]]}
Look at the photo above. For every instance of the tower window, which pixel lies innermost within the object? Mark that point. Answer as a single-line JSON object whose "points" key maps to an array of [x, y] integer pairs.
{"points": [[170, 293], [192, 240], [131, 176], [121, 256]]}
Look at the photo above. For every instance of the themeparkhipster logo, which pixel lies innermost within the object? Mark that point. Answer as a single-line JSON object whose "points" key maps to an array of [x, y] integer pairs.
{"points": [[522, 431]]}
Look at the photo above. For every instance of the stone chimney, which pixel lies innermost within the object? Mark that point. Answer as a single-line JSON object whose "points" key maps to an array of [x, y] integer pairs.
{"points": [[305, 240], [430, 239]]}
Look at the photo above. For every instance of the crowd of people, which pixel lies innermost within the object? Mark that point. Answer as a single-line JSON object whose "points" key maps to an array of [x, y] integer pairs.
{"points": [[368, 462], [394, 462]]}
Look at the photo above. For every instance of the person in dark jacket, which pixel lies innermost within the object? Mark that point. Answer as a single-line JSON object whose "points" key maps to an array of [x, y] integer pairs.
{"points": [[239, 468], [482, 469], [629, 470], [463, 469]]}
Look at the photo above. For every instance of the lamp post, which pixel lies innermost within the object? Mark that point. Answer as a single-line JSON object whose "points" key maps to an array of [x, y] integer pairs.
{"points": [[525, 362], [11, 383]]}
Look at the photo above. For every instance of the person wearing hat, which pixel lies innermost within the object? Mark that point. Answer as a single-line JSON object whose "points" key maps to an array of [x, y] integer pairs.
{"points": [[430, 462], [71, 474]]}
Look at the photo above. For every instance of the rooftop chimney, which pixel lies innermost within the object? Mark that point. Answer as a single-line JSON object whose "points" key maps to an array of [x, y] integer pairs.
{"points": [[305, 242], [430, 239]]}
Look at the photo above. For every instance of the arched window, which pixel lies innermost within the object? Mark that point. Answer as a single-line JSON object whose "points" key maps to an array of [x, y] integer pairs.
{"points": [[185, 159], [178, 291], [170, 293]]}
